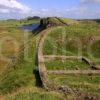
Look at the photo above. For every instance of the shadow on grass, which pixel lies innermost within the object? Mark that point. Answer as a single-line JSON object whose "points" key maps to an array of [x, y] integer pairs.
{"points": [[38, 80], [36, 73], [97, 20], [38, 30]]}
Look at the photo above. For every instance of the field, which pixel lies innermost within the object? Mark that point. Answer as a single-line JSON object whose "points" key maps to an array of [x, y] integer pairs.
{"points": [[69, 64], [86, 83], [20, 80], [19, 77], [75, 40]]}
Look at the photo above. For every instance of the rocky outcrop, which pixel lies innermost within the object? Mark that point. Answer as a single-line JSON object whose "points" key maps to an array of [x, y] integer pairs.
{"points": [[47, 23]]}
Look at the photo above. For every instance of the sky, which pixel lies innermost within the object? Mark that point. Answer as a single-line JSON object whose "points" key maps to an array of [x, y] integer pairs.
{"points": [[78, 9]]}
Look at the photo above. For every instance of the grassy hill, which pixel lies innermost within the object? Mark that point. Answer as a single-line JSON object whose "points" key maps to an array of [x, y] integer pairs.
{"points": [[74, 40], [20, 22], [20, 79]]}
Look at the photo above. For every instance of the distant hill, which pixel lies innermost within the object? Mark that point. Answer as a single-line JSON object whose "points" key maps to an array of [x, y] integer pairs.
{"points": [[34, 17], [55, 21]]}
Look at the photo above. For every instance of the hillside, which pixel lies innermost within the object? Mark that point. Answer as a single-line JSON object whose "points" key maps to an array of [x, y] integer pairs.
{"points": [[20, 78], [55, 21]]}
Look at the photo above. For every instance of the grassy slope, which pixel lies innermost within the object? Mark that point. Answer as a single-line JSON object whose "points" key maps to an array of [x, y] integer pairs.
{"points": [[65, 20], [23, 73], [83, 31], [88, 83], [69, 21], [22, 80], [10, 35], [10, 31], [17, 22], [25, 76], [7, 37], [54, 44], [69, 64]]}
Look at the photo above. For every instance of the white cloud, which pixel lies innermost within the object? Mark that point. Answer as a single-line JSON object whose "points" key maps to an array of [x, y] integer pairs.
{"points": [[13, 9], [13, 4], [83, 11], [4, 11], [44, 12]]}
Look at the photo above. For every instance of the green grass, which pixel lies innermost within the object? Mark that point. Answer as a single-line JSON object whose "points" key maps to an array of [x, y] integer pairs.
{"points": [[73, 35], [69, 21], [11, 35], [96, 49], [15, 23], [36, 96], [63, 41], [20, 74], [65, 20], [67, 64], [8, 37], [90, 84], [54, 20], [23, 74]]}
